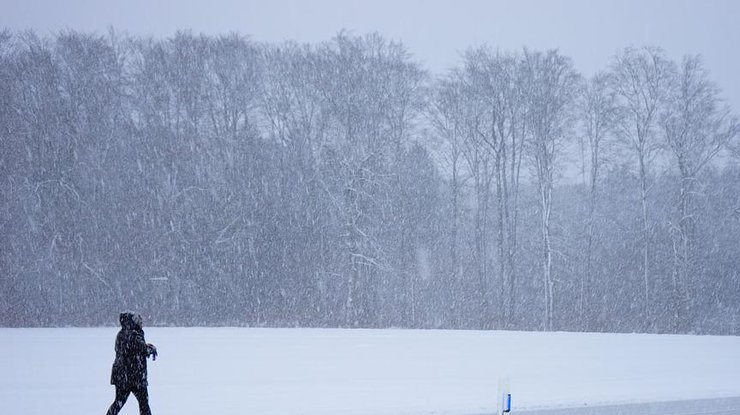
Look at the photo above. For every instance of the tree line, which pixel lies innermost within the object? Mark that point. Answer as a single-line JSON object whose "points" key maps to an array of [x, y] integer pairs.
{"points": [[215, 180]]}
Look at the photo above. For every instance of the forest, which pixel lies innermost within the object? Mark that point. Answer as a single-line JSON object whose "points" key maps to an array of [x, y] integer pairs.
{"points": [[219, 181]]}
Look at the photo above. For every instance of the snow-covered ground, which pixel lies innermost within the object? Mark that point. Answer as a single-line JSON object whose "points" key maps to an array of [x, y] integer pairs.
{"points": [[229, 371]]}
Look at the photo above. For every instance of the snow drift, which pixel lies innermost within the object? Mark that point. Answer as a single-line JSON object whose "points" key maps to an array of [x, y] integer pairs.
{"points": [[330, 371]]}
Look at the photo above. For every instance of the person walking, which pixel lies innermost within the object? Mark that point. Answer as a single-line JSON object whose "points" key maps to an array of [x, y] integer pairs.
{"points": [[129, 368]]}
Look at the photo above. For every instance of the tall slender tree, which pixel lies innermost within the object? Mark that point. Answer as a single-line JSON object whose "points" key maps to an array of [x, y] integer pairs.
{"points": [[639, 78], [696, 126], [552, 84], [598, 115]]}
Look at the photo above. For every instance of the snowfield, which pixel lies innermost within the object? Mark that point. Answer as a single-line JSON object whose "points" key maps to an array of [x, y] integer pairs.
{"points": [[230, 371]]}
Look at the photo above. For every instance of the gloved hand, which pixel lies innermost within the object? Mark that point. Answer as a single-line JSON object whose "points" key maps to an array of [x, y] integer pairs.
{"points": [[151, 350]]}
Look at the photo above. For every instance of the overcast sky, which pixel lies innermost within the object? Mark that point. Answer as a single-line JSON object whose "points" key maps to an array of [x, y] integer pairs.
{"points": [[434, 31]]}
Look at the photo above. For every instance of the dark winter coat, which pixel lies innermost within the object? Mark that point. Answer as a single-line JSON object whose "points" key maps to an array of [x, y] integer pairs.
{"points": [[129, 368]]}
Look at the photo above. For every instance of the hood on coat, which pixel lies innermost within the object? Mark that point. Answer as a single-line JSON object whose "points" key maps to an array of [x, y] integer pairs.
{"points": [[130, 320]]}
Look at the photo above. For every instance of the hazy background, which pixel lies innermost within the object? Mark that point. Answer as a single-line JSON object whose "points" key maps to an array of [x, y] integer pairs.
{"points": [[434, 31], [202, 177]]}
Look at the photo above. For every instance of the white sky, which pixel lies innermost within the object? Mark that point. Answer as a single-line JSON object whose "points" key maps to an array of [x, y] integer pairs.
{"points": [[434, 31]]}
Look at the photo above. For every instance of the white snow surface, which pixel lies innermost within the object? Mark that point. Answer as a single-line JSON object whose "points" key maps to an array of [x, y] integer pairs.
{"points": [[230, 371]]}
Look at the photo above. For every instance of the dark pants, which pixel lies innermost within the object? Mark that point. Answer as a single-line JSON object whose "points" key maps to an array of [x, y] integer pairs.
{"points": [[141, 395]]}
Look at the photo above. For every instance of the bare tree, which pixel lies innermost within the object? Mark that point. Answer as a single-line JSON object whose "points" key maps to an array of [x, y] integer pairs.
{"points": [[446, 113], [367, 124], [696, 127], [479, 161], [598, 115], [501, 81], [639, 77], [552, 84], [295, 120]]}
